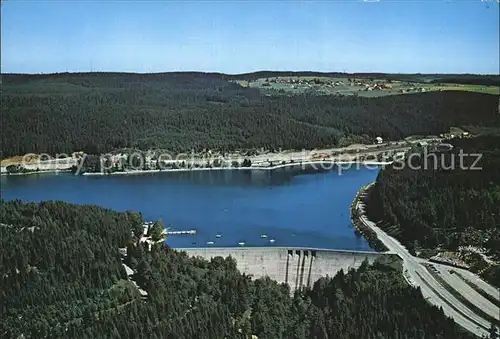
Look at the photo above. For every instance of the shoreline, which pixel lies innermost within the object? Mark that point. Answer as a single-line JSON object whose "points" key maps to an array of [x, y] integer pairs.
{"points": [[368, 234], [330, 164], [55, 171], [340, 156]]}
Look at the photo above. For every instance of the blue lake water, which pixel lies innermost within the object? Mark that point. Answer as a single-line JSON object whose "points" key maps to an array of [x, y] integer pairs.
{"points": [[292, 207]]}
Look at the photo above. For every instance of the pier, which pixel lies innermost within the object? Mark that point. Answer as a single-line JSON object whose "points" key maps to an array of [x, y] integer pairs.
{"points": [[148, 224], [185, 232]]}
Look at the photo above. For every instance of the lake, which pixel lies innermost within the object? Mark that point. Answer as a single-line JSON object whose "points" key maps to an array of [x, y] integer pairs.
{"points": [[291, 206]]}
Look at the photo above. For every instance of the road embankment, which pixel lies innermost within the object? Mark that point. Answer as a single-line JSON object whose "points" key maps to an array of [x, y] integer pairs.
{"points": [[419, 276], [361, 228]]}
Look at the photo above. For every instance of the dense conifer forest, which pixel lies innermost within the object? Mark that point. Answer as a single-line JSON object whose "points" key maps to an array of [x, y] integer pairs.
{"points": [[434, 206], [62, 277], [99, 112]]}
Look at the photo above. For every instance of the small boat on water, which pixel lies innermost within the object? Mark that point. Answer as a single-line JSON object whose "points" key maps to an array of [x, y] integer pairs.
{"points": [[263, 236], [218, 236], [210, 242], [272, 241], [241, 243]]}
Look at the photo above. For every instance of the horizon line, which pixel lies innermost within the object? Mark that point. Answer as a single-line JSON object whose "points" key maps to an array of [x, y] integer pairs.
{"points": [[243, 73]]}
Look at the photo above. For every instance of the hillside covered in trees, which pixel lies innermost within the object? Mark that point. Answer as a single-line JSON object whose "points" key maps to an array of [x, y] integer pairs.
{"points": [[99, 112], [62, 277], [436, 207]]}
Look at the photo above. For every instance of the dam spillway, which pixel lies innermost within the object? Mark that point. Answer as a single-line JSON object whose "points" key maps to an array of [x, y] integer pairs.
{"points": [[296, 266]]}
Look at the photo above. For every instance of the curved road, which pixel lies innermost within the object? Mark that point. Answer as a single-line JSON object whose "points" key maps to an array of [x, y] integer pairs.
{"points": [[464, 289], [474, 278], [432, 290]]}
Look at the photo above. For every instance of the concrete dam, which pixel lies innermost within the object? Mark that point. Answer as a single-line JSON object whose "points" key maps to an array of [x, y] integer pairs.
{"points": [[296, 266]]}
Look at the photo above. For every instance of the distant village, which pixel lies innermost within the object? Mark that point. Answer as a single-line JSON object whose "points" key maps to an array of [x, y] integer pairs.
{"points": [[365, 84]]}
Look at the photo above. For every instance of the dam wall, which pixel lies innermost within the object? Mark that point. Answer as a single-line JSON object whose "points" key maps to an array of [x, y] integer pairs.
{"points": [[296, 266]]}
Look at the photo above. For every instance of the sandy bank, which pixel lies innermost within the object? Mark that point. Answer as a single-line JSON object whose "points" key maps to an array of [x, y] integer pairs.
{"points": [[54, 171]]}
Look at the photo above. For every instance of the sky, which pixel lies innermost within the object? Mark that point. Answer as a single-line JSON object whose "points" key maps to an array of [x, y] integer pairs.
{"points": [[407, 36]]}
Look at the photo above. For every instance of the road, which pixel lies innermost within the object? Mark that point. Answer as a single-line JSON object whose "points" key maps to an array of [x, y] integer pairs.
{"points": [[494, 292], [464, 289], [432, 290]]}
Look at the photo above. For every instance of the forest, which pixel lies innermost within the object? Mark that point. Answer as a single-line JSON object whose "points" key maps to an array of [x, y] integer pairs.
{"points": [[437, 205], [62, 277], [100, 112]]}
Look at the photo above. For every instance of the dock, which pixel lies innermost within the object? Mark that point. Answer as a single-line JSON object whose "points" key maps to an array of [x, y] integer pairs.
{"points": [[148, 224], [185, 232]]}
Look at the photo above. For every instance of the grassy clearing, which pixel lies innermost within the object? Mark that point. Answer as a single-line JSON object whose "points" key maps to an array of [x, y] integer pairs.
{"points": [[242, 83], [460, 298], [392, 261], [468, 88], [326, 88]]}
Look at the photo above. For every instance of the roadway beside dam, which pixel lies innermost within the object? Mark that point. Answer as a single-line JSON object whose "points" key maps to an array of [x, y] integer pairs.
{"points": [[296, 266]]}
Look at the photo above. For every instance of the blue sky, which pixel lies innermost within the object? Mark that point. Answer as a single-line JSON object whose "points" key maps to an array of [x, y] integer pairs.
{"points": [[433, 36]]}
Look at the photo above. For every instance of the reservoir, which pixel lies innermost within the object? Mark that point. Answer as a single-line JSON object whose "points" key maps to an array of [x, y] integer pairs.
{"points": [[282, 207]]}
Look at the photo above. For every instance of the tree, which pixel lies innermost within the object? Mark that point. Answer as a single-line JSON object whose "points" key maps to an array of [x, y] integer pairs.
{"points": [[246, 163], [80, 290], [454, 208], [217, 162], [493, 332], [176, 114], [137, 223], [157, 231]]}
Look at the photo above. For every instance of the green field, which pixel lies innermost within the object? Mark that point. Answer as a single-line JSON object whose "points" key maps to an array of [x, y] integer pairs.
{"points": [[469, 88]]}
